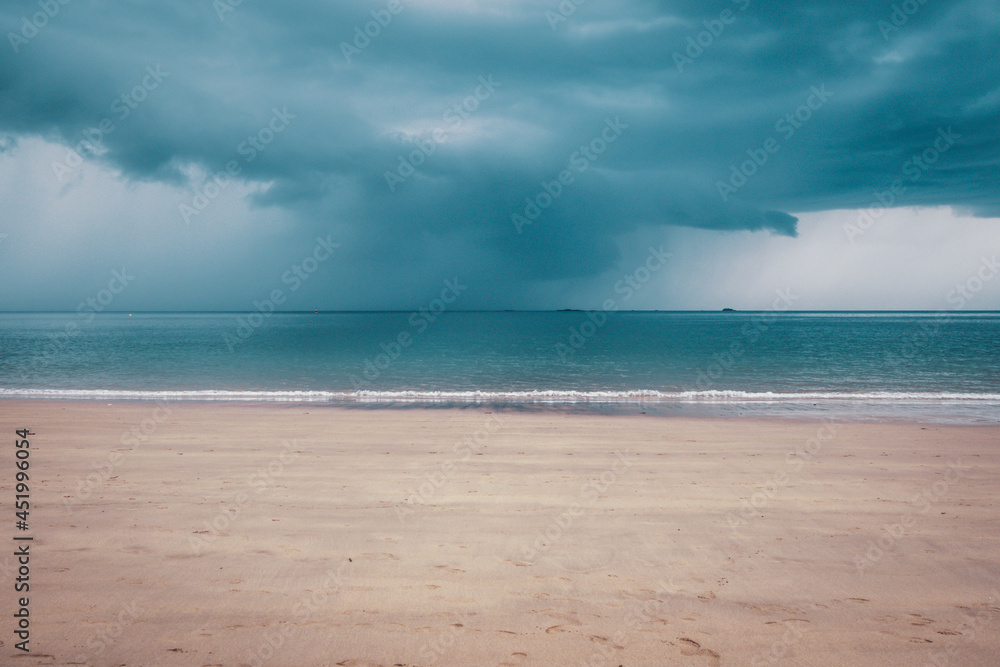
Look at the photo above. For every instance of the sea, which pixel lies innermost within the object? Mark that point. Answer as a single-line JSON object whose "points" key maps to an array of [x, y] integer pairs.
{"points": [[882, 366]]}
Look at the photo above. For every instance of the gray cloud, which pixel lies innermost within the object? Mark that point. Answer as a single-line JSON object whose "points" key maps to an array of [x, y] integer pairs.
{"points": [[738, 82]]}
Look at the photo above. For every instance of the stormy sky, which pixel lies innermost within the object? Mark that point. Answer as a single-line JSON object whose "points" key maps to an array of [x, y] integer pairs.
{"points": [[366, 152]]}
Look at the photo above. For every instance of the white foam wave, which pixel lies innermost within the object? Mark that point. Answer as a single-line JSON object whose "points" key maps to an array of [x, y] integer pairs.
{"points": [[548, 395]]}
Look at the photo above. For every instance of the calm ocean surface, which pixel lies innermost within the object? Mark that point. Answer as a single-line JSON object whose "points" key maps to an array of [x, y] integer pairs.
{"points": [[942, 366]]}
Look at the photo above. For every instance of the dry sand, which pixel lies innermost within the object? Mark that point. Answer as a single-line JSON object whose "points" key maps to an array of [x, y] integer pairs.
{"points": [[458, 537]]}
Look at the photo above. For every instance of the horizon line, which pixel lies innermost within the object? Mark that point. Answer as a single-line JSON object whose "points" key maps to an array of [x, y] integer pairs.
{"points": [[477, 310]]}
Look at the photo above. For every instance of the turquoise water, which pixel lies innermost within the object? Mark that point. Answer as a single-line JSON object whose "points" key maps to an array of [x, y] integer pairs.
{"points": [[872, 363]]}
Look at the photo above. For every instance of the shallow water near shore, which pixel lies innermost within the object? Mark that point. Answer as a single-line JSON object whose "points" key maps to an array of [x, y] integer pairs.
{"points": [[884, 366]]}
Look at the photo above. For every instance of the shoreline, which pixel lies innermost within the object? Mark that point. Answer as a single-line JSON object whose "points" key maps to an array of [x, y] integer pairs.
{"points": [[279, 534], [959, 413]]}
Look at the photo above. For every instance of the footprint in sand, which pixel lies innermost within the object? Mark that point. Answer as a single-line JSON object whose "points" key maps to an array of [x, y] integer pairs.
{"points": [[788, 620], [566, 618], [585, 562], [597, 639], [693, 648], [136, 550], [447, 568]]}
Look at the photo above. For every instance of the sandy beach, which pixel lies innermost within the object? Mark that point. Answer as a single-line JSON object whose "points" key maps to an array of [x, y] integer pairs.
{"points": [[297, 534]]}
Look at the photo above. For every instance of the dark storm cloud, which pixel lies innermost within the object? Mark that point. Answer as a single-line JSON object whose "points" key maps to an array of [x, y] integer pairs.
{"points": [[822, 104]]}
